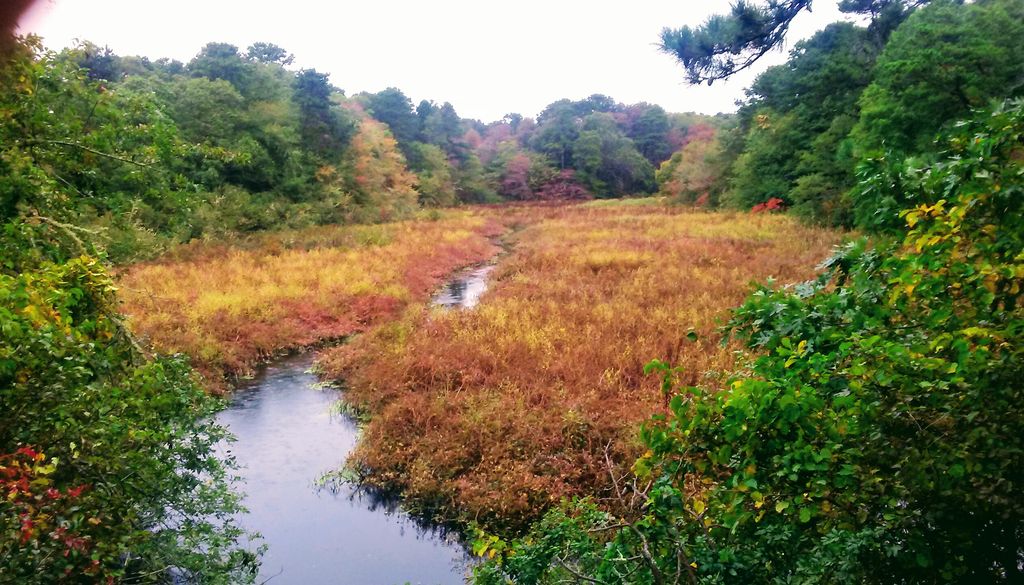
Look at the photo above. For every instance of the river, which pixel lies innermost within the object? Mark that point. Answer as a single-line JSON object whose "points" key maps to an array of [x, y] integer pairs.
{"points": [[289, 434]]}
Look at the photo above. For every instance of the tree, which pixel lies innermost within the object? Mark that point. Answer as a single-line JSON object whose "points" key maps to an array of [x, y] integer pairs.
{"points": [[607, 161], [766, 168], [393, 108], [269, 53], [518, 173], [323, 125], [436, 185], [470, 183], [107, 461], [381, 184], [650, 133], [825, 174], [222, 61], [945, 60], [558, 129], [793, 115], [691, 174], [205, 109], [725, 45], [441, 126], [513, 120], [101, 63]]}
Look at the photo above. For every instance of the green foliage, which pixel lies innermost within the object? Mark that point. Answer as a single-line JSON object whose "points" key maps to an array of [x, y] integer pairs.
{"points": [[71, 147], [434, 176], [122, 482], [875, 435], [393, 108], [324, 127], [798, 119], [727, 44], [607, 162], [943, 61], [767, 167], [692, 174], [650, 133], [160, 154], [851, 93], [825, 175], [470, 182]]}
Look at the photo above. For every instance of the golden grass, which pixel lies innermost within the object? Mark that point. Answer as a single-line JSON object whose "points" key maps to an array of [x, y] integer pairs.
{"points": [[494, 414], [232, 306]]}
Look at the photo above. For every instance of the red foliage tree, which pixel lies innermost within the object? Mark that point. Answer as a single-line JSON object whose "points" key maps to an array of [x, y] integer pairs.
{"points": [[773, 204], [563, 187]]}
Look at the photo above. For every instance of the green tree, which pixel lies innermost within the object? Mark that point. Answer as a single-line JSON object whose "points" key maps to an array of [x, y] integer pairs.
{"points": [[325, 128], [558, 128], [650, 133], [382, 186], [767, 166], [269, 53], [393, 108], [726, 44], [435, 182], [106, 452], [222, 61], [945, 60], [793, 115], [607, 161], [691, 175]]}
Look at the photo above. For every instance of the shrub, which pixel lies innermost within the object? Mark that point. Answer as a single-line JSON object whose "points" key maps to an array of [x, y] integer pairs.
{"points": [[106, 459]]}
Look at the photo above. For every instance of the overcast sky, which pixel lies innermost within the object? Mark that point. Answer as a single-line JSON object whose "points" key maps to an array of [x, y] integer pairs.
{"points": [[488, 58]]}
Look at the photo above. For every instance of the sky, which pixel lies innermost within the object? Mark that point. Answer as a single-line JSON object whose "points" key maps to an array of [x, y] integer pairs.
{"points": [[487, 57]]}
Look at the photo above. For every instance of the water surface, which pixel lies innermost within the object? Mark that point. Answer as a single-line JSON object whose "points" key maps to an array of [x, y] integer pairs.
{"points": [[465, 288], [289, 435]]}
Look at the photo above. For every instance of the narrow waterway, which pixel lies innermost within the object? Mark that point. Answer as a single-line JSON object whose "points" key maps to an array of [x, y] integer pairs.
{"points": [[289, 435], [465, 288]]}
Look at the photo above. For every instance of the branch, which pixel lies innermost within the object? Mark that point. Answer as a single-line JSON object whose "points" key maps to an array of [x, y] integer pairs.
{"points": [[93, 151], [645, 549], [68, 229], [576, 574], [707, 52]]}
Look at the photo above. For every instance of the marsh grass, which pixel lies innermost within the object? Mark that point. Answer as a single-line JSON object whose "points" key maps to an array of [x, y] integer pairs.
{"points": [[231, 306], [495, 413]]}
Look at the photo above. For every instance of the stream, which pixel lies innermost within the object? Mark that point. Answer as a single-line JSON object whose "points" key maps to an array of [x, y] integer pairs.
{"points": [[289, 434]]}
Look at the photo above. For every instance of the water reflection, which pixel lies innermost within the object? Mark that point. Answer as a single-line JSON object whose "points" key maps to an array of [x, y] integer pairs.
{"points": [[289, 437], [465, 289]]}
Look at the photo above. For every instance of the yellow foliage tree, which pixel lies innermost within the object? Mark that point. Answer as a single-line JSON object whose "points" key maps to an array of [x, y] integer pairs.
{"points": [[690, 175], [381, 184]]}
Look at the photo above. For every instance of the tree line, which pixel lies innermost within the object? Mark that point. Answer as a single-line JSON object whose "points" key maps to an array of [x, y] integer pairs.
{"points": [[150, 153]]}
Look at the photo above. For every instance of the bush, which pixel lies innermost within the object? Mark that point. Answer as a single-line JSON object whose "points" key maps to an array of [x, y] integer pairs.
{"points": [[106, 458]]}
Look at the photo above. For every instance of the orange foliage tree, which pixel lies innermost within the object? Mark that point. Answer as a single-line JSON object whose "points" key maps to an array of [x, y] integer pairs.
{"points": [[690, 175], [380, 181]]}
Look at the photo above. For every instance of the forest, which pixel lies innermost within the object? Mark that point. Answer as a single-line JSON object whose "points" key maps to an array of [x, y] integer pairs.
{"points": [[779, 345]]}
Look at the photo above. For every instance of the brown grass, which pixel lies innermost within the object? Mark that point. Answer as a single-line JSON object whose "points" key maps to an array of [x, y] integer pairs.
{"points": [[230, 307], [495, 413]]}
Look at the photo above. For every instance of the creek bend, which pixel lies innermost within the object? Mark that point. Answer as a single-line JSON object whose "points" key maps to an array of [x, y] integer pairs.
{"points": [[289, 434]]}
